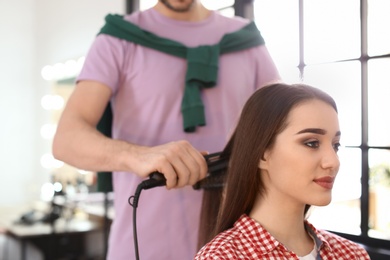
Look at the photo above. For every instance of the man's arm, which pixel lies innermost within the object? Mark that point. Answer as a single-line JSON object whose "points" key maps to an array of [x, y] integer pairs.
{"points": [[78, 143]]}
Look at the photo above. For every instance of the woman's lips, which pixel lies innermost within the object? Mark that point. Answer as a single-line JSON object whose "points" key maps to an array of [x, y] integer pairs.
{"points": [[325, 182]]}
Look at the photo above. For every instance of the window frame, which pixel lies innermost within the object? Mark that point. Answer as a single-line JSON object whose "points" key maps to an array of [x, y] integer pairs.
{"points": [[378, 248]]}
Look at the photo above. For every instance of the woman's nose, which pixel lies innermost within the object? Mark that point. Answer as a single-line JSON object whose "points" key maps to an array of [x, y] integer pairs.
{"points": [[330, 159]]}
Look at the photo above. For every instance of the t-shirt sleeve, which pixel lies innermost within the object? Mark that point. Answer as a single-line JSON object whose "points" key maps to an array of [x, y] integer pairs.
{"points": [[104, 62], [266, 68]]}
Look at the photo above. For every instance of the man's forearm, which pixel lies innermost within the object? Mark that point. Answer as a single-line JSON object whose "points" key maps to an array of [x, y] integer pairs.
{"points": [[86, 148]]}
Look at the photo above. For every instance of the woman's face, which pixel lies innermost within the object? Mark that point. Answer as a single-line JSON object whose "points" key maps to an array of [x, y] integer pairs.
{"points": [[302, 164]]}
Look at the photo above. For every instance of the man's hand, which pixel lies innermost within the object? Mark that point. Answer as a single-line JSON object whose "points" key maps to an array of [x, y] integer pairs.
{"points": [[179, 162]]}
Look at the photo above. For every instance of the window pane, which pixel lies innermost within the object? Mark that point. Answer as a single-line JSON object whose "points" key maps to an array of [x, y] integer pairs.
{"points": [[278, 22], [346, 197], [378, 102], [342, 82], [379, 217], [332, 30], [378, 29]]}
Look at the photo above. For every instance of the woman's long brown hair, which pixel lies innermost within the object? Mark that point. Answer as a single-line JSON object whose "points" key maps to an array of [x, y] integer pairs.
{"points": [[262, 119]]}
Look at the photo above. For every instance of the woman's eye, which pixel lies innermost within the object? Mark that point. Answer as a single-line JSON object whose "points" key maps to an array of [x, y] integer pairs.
{"points": [[312, 144], [336, 146]]}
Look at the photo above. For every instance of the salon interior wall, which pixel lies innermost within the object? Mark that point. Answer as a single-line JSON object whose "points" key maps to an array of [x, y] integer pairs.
{"points": [[35, 33]]}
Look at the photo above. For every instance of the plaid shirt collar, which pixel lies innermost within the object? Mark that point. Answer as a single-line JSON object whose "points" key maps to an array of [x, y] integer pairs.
{"points": [[264, 242]]}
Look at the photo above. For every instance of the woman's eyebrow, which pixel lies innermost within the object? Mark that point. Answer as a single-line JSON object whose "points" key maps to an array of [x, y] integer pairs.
{"points": [[319, 131], [312, 130]]}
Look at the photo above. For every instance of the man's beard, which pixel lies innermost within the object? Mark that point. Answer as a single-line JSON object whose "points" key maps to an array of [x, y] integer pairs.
{"points": [[175, 9]]}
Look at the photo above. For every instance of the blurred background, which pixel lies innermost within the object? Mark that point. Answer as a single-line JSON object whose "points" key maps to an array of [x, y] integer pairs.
{"points": [[342, 47]]}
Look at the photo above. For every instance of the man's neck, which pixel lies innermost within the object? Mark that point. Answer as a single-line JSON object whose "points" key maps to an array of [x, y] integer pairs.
{"points": [[196, 13]]}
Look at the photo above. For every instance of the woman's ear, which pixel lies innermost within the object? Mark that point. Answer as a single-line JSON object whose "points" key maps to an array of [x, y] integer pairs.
{"points": [[263, 163]]}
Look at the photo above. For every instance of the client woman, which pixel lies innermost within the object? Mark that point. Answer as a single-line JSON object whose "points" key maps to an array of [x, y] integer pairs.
{"points": [[282, 159]]}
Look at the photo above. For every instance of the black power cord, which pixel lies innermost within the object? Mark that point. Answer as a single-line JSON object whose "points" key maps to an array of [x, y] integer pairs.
{"points": [[155, 179], [215, 179]]}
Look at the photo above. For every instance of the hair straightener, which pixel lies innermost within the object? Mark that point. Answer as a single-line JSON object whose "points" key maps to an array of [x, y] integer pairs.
{"points": [[215, 179]]}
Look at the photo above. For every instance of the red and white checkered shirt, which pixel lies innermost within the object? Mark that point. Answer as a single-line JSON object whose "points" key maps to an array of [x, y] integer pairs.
{"points": [[249, 240]]}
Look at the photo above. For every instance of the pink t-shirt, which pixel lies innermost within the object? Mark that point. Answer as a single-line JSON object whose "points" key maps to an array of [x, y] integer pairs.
{"points": [[147, 89]]}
